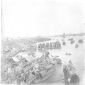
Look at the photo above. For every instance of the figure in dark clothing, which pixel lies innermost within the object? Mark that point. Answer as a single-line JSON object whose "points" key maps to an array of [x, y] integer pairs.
{"points": [[74, 78], [66, 75]]}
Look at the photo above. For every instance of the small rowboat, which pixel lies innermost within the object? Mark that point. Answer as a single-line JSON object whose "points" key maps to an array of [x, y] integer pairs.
{"points": [[45, 74]]}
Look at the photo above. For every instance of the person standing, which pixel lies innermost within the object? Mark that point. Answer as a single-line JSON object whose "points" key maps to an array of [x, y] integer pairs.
{"points": [[66, 74], [74, 79]]}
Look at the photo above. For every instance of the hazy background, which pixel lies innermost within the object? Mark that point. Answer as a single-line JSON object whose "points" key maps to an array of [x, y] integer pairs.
{"points": [[21, 18]]}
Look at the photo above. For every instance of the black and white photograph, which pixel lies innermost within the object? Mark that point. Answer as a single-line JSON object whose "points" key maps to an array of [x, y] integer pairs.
{"points": [[42, 42]]}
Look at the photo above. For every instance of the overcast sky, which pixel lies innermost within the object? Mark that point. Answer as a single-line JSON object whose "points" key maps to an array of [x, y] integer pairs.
{"points": [[30, 18]]}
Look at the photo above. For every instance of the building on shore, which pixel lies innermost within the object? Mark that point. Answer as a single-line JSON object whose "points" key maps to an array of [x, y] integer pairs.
{"points": [[48, 45]]}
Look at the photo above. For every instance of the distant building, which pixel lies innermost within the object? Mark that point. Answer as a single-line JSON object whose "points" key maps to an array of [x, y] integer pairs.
{"points": [[48, 45]]}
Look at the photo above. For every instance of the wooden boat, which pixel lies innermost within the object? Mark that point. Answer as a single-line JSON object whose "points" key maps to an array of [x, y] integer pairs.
{"points": [[45, 74]]}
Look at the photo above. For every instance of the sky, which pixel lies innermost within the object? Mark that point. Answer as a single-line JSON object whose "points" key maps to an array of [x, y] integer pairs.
{"points": [[30, 18]]}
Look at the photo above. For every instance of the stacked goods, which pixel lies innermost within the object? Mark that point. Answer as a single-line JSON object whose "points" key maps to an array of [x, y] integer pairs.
{"points": [[35, 71]]}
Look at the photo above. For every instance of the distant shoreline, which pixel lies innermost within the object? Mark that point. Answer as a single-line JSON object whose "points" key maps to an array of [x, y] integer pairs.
{"points": [[42, 37]]}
